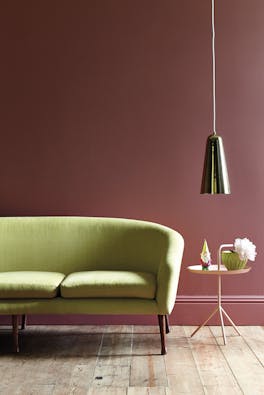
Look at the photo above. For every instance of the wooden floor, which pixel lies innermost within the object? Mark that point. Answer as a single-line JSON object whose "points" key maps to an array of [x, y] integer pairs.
{"points": [[125, 360]]}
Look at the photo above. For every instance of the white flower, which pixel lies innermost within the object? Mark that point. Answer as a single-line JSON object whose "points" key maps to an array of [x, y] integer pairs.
{"points": [[245, 249]]}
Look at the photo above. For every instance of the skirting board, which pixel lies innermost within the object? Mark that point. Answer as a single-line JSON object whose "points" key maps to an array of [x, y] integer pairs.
{"points": [[194, 309], [188, 310]]}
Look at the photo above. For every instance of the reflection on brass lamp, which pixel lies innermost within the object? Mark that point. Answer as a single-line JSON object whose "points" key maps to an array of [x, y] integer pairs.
{"points": [[215, 176]]}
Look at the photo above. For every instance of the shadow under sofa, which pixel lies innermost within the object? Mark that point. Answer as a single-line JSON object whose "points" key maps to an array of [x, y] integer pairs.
{"points": [[88, 265]]}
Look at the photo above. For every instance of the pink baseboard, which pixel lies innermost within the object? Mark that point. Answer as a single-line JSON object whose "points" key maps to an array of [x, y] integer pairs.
{"points": [[243, 309], [188, 310]]}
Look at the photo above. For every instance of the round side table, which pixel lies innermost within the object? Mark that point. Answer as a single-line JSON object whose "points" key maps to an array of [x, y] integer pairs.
{"points": [[217, 270]]}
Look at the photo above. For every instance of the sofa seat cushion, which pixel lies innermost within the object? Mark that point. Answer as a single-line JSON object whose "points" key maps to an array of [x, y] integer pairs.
{"points": [[112, 284], [29, 284]]}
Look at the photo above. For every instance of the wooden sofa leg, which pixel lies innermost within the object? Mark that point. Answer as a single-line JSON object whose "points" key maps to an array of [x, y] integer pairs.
{"points": [[167, 324], [23, 321], [162, 325], [15, 332]]}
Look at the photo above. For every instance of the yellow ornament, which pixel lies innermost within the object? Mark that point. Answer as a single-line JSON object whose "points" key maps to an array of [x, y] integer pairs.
{"points": [[205, 256]]}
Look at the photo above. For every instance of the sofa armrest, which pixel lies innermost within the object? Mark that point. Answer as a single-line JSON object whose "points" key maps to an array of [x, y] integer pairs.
{"points": [[168, 273]]}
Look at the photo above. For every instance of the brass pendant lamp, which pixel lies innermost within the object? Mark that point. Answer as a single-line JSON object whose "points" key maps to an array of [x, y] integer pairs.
{"points": [[215, 176]]}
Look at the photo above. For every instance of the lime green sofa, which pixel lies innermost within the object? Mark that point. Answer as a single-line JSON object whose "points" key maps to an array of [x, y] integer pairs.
{"points": [[87, 265]]}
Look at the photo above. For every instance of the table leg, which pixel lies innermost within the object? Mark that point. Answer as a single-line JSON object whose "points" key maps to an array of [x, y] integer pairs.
{"points": [[205, 322], [231, 322], [219, 302], [222, 324], [221, 311]]}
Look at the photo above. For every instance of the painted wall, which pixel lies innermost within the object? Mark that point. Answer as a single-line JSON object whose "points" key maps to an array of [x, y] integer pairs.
{"points": [[105, 110]]}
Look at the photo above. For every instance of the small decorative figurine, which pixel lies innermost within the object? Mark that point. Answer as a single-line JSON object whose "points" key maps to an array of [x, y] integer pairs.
{"points": [[205, 256]]}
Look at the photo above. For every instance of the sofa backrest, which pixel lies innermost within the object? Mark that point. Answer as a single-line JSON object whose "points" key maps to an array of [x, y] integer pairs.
{"points": [[67, 244]]}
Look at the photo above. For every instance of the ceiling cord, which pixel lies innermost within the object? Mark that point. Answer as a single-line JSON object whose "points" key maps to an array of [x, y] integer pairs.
{"points": [[213, 66]]}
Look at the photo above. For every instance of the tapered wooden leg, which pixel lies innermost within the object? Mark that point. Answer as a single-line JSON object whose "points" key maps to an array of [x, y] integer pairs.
{"points": [[162, 326], [15, 333], [23, 321], [167, 324]]}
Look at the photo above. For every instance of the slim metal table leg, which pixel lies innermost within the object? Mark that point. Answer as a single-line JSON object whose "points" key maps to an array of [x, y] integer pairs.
{"points": [[231, 322], [205, 322]]}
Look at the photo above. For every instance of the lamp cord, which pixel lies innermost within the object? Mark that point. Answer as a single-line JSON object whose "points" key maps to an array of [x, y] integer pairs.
{"points": [[213, 66]]}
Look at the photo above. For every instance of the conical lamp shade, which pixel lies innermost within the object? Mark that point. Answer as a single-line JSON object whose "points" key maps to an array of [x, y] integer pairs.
{"points": [[215, 176]]}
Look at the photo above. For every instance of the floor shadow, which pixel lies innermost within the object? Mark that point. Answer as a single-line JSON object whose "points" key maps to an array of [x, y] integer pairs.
{"points": [[67, 345]]}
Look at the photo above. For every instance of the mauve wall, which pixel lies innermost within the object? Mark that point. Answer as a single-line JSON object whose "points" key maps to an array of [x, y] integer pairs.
{"points": [[105, 110]]}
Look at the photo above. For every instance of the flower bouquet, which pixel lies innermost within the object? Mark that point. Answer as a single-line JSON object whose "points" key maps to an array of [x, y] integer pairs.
{"points": [[237, 258]]}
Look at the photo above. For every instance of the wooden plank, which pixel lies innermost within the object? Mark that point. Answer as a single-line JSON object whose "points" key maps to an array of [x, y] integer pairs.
{"points": [[146, 329], [215, 374], [246, 368], [254, 337], [181, 369], [148, 366], [148, 391], [111, 376], [58, 362], [49, 361], [29, 389], [82, 376], [119, 329], [40, 341], [146, 343], [61, 389], [179, 352], [75, 361], [10, 365], [148, 371], [107, 391], [116, 348], [114, 359], [74, 367]]}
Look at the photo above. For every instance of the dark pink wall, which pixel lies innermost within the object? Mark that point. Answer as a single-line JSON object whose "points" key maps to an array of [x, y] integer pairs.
{"points": [[106, 107]]}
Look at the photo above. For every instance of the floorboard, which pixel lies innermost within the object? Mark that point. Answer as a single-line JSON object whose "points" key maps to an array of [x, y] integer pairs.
{"points": [[126, 360], [246, 368]]}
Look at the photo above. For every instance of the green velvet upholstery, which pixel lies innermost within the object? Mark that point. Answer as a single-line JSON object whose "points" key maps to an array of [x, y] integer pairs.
{"points": [[66, 245], [30, 285], [109, 284]]}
